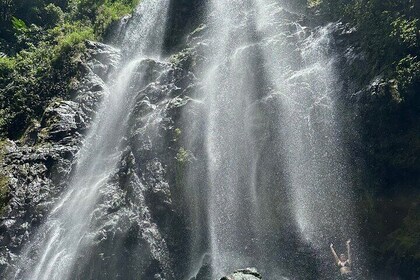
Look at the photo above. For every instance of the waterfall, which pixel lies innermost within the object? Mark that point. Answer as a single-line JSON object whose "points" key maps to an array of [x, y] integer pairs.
{"points": [[61, 245], [227, 155], [230, 85], [275, 166]]}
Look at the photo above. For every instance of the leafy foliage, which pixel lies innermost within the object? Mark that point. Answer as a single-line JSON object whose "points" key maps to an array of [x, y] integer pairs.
{"points": [[408, 71], [53, 15], [101, 13], [40, 45], [19, 25]]}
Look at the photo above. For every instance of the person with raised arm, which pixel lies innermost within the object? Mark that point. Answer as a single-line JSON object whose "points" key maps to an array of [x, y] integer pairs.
{"points": [[343, 262]]}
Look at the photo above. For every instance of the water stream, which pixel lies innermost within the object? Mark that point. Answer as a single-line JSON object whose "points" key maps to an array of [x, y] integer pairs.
{"points": [[270, 178], [69, 227], [272, 137]]}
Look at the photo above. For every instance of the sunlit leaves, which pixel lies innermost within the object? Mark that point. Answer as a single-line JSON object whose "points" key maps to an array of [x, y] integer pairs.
{"points": [[406, 31]]}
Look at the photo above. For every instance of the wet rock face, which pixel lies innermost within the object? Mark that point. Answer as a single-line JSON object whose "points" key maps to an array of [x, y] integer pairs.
{"points": [[183, 16], [137, 229], [102, 59], [244, 274], [62, 121], [37, 168], [141, 226]]}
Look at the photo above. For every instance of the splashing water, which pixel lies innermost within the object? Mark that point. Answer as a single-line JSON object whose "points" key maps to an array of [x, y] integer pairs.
{"points": [[54, 250], [272, 138], [271, 177]]}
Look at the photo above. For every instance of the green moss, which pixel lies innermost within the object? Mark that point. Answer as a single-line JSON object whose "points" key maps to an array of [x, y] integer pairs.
{"points": [[4, 180], [176, 58], [183, 156], [4, 192], [177, 134], [7, 64], [314, 4], [183, 59]]}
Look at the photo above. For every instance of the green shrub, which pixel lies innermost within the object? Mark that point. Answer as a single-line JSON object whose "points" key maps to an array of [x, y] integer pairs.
{"points": [[7, 65], [43, 40], [408, 71], [39, 74], [109, 13], [405, 31], [19, 25], [72, 37], [53, 16]]}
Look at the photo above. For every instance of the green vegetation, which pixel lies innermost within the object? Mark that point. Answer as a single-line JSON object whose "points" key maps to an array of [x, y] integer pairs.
{"points": [[385, 33], [183, 156], [40, 47], [4, 192], [4, 181], [177, 134], [42, 41]]}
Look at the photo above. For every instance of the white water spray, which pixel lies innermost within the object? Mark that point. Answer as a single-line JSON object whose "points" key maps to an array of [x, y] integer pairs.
{"points": [[260, 57], [53, 251]]}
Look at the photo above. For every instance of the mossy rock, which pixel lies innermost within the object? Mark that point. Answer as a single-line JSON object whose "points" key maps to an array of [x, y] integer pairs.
{"points": [[4, 179], [4, 192]]}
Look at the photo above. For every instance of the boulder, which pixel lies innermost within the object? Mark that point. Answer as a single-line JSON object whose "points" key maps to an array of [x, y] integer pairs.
{"points": [[244, 274]]}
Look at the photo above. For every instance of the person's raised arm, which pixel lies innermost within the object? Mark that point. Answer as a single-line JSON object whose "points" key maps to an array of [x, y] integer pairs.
{"points": [[348, 251], [337, 260]]}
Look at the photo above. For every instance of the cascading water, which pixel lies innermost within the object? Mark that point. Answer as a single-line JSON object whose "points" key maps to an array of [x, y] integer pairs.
{"points": [[320, 174], [306, 92], [272, 139], [260, 176], [230, 85], [60, 248]]}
